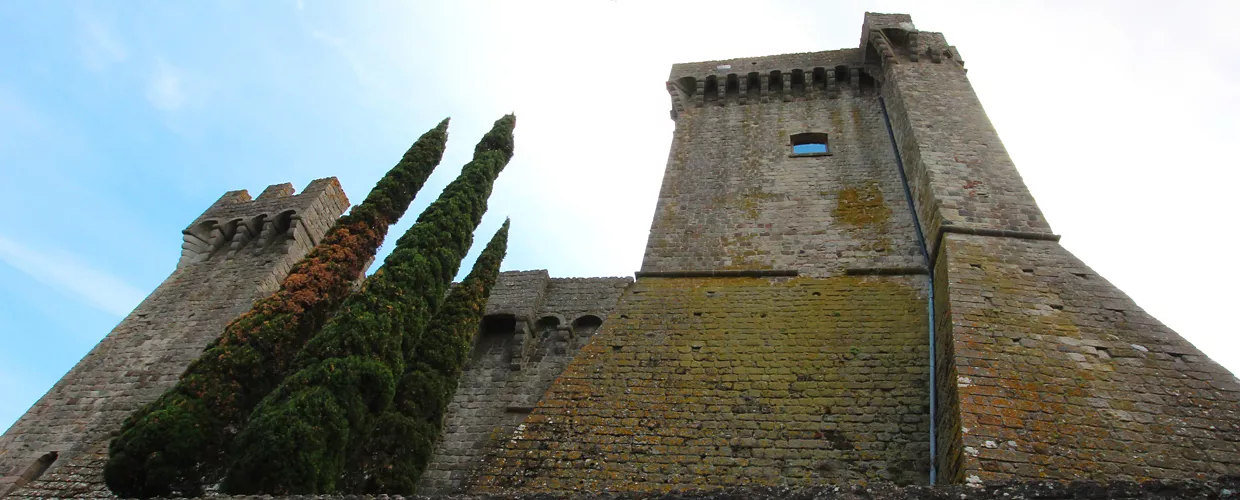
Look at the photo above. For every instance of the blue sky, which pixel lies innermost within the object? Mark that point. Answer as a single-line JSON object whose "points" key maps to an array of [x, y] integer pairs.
{"points": [[121, 121]]}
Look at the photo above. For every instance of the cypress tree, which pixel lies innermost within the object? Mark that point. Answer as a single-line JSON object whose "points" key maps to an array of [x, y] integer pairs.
{"points": [[394, 454], [174, 445], [295, 441]]}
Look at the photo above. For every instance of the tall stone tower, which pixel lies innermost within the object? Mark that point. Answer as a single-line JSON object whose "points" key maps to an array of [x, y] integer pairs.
{"points": [[233, 254], [846, 280]]}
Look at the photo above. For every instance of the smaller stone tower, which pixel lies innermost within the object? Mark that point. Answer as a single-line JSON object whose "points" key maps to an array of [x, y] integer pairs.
{"points": [[233, 254]]}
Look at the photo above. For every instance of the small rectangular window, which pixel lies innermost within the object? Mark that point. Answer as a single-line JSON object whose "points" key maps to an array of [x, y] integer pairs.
{"points": [[810, 143]]}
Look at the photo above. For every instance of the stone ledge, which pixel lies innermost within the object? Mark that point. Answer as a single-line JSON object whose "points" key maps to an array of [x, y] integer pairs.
{"points": [[1225, 487], [740, 273]]}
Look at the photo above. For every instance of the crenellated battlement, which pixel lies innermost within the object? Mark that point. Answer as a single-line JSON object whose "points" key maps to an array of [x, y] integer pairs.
{"points": [[783, 78], [274, 222], [886, 39]]}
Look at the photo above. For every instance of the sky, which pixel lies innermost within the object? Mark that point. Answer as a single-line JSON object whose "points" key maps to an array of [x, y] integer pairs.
{"points": [[120, 122]]}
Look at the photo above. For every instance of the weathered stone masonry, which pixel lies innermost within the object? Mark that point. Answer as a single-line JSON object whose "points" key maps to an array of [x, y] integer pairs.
{"points": [[534, 326], [778, 330], [237, 251]]}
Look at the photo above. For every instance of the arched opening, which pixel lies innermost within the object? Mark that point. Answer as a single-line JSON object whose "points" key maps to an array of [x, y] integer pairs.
{"points": [[711, 91], [733, 86], [775, 82], [585, 326], [545, 325], [754, 85], [493, 342], [841, 75], [819, 78], [798, 82]]}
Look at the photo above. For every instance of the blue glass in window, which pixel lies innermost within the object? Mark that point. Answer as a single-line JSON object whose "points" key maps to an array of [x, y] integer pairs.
{"points": [[809, 148]]}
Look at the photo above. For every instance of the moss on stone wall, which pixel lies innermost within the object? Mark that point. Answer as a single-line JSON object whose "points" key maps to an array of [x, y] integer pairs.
{"points": [[704, 382], [175, 444], [862, 206]]}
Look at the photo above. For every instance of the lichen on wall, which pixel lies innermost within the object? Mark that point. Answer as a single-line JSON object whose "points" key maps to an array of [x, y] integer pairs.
{"points": [[701, 382]]}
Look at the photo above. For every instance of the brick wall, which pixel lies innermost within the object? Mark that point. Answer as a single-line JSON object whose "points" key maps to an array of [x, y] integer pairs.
{"points": [[146, 353], [1060, 375], [697, 382]]}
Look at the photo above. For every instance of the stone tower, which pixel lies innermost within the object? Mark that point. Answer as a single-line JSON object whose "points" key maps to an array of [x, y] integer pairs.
{"points": [[236, 252], [847, 280]]}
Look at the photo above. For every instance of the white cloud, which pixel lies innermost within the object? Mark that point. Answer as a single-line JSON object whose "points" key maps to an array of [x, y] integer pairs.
{"points": [[69, 275], [165, 88], [100, 46]]}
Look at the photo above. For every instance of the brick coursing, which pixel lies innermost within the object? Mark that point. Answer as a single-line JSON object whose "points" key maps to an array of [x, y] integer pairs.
{"points": [[1060, 375], [696, 382]]}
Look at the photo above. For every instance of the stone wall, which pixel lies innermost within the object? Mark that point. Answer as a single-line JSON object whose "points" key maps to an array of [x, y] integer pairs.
{"points": [[535, 325], [958, 170], [1045, 369], [712, 382], [735, 198], [236, 252], [1060, 375]]}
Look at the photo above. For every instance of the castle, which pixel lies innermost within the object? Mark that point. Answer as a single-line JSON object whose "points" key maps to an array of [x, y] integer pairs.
{"points": [[845, 281]]}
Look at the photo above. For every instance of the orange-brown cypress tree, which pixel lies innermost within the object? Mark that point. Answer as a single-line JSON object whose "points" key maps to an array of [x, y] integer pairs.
{"points": [[295, 440], [391, 458], [175, 445]]}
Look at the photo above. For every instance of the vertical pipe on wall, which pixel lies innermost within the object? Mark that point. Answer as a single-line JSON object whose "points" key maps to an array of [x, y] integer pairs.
{"points": [[925, 254]]}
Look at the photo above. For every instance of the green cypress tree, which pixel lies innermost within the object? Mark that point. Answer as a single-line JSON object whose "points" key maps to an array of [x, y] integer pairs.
{"points": [[394, 454], [296, 439], [175, 444]]}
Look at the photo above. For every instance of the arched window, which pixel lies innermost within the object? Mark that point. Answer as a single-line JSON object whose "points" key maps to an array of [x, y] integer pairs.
{"points": [[810, 143], [546, 324], [585, 326]]}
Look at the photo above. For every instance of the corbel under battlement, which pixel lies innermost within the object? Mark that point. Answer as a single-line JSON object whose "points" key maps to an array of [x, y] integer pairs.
{"points": [[237, 225]]}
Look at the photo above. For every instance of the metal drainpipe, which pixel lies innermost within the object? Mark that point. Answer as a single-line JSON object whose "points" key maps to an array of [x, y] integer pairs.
{"points": [[925, 254]]}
